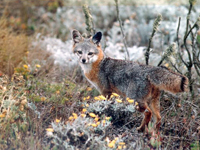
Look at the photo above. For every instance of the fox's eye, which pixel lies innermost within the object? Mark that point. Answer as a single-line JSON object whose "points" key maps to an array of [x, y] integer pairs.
{"points": [[90, 53], [80, 52]]}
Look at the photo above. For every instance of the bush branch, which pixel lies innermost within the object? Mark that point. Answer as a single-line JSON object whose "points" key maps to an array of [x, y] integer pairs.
{"points": [[120, 24], [177, 34]]}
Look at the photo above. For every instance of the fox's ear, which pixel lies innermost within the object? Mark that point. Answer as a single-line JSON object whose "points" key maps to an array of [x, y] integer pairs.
{"points": [[76, 36], [97, 38]]}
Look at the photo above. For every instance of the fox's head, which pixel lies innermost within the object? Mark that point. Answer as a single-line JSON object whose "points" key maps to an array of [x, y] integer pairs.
{"points": [[87, 49]]}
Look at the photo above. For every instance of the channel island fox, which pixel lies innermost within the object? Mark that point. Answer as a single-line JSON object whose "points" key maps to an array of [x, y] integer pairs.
{"points": [[139, 82]]}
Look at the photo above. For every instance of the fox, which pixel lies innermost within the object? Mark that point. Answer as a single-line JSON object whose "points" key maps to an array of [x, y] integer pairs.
{"points": [[140, 82]]}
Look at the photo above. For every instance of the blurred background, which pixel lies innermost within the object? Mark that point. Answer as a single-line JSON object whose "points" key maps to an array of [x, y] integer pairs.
{"points": [[44, 29]]}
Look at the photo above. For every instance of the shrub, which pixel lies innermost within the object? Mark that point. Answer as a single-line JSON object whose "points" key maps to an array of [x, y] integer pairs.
{"points": [[13, 48]]}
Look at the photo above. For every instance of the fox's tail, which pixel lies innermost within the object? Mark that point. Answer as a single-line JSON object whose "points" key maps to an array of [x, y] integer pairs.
{"points": [[168, 80]]}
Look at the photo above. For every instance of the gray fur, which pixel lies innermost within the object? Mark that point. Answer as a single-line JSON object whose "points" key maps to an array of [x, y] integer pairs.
{"points": [[86, 47], [132, 79]]}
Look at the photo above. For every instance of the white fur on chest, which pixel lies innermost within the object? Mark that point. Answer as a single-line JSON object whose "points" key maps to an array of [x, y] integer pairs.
{"points": [[86, 69]]}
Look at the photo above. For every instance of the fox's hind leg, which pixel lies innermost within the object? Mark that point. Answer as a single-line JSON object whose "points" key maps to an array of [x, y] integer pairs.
{"points": [[155, 107], [144, 108]]}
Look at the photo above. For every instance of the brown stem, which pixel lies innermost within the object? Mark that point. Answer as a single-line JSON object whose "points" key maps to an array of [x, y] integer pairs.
{"points": [[123, 35], [186, 36], [177, 33]]}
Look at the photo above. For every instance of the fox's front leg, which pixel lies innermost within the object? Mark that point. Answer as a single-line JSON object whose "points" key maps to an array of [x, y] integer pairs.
{"points": [[144, 108]]}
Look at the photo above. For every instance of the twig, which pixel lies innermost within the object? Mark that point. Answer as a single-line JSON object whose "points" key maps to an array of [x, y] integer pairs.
{"points": [[196, 68], [186, 36], [177, 33], [191, 104], [194, 50], [168, 52], [120, 24], [175, 68], [155, 28], [168, 143], [190, 63]]}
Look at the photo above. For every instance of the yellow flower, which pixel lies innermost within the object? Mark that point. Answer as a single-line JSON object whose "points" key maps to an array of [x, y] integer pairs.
{"points": [[108, 118], [119, 147], [104, 121], [57, 120], [43, 98], [127, 98], [92, 115], [87, 105], [84, 98], [94, 125], [98, 123], [2, 115], [167, 65], [131, 101], [112, 144], [75, 115], [71, 118], [25, 66], [84, 110], [136, 103], [115, 94], [97, 98], [37, 66], [96, 118], [122, 143], [58, 92], [88, 97], [89, 89], [49, 129], [102, 97], [119, 100], [83, 115]]}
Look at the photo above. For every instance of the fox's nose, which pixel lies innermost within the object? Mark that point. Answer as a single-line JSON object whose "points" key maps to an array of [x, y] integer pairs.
{"points": [[83, 60]]}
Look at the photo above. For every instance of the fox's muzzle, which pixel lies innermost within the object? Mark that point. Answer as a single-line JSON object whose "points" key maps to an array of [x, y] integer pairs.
{"points": [[83, 60]]}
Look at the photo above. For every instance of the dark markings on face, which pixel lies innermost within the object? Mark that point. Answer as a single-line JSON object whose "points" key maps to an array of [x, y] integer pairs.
{"points": [[86, 47], [86, 50]]}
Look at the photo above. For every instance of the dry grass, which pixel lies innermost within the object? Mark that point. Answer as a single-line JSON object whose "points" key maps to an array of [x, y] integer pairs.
{"points": [[13, 48]]}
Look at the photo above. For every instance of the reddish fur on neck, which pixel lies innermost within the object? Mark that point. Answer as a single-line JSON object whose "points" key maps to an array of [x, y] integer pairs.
{"points": [[93, 74]]}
